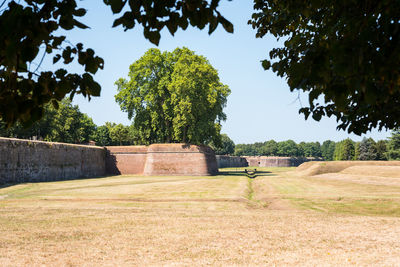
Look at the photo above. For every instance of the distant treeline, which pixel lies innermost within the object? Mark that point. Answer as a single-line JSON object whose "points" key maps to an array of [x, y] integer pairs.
{"points": [[367, 149]]}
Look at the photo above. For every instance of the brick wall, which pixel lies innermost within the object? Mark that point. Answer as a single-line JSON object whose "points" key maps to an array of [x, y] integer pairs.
{"points": [[262, 161], [31, 161], [161, 159], [126, 159], [180, 159], [231, 161]]}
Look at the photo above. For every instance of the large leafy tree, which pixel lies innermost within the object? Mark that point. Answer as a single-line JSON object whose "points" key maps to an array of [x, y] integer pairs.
{"points": [[381, 148], [328, 149], [310, 149], [102, 136], [119, 134], [345, 54], [288, 149], [70, 125], [226, 147], [270, 148], [32, 29], [393, 152], [367, 149], [173, 97], [66, 124], [344, 150]]}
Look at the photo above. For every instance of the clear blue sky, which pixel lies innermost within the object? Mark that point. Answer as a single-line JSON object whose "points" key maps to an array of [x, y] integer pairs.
{"points": [[260, 107]]}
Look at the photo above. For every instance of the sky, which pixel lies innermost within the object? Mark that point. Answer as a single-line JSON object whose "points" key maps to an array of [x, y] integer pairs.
{"points": [[260, 107]]}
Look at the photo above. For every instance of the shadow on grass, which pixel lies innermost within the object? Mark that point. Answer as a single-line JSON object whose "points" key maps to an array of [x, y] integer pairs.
{"points": [[5, 185], [244, 174]]}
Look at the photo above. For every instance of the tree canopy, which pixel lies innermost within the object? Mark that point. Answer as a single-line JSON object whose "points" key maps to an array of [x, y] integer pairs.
{"points": [[346, 53], [226, 147], [31, 29], [173, 97], [66, 124], [393, 152], [345, 150], [367, 150]]}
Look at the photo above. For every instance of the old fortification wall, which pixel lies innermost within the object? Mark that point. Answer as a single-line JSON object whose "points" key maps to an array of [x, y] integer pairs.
{"points": [[31, 161], [161, 159], [126, 159], [231, 161], [263, 161], [180, 159]]}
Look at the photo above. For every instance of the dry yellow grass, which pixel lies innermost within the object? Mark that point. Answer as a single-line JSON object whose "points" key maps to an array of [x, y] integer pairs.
{"points": [[275, 219], [381, 171], [320, 167]]}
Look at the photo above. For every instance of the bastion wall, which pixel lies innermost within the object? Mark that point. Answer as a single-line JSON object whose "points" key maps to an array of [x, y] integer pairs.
{"points": [[34, 161], [263, 161], [224, 161], [161, 159]]}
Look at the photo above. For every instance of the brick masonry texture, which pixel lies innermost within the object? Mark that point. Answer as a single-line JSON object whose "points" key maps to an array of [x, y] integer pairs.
{"points": [[34, 161], [162, 159], [262, 161], [180, 159], [231, 161], [126, 159]]}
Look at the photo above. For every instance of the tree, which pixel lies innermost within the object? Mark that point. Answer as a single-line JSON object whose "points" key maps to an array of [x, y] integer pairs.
{"points": [[356, 150], [302, 147], [270, 148], [344, 150], [69, 125], [39, 130], [35, 33], [311, 149], [227, 146], [328, 149], [394, 146], [66, 124], [240, 150], [381, 149], [287, 149], [173, 97], [119, 134], [344, 52], [102, 136], [367, 150]]}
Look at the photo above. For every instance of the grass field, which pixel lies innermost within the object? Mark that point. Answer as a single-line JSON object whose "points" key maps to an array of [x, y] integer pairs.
{"points": [[277, 218]]}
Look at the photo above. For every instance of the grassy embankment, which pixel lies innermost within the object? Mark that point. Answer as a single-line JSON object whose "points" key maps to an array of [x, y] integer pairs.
{"points": [[279, 217]]}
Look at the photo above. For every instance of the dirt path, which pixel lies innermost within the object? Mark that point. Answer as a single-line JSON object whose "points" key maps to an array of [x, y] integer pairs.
{"points": [[268, 196]]}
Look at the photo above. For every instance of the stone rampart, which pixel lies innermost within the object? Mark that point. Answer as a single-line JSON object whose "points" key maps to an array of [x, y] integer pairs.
{"points": [[180, 159], [161, 159], [126, 159], [33, 161], [224, 161]]}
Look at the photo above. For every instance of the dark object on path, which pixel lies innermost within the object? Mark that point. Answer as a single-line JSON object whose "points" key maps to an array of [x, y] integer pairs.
{"points": [[251, 173]]}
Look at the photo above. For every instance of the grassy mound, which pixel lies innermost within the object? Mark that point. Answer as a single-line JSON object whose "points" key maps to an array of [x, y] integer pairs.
{"points": [[320, 167], [381, 171]]}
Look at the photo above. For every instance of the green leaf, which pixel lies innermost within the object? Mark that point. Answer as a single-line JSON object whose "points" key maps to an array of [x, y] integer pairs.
{"points": [[116, 5], [266, 64], [228, 26], [56, 58]]}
